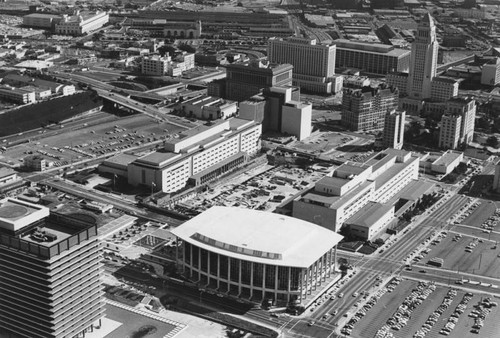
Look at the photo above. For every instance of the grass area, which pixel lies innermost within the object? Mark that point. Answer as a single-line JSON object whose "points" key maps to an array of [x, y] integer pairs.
{"points": [[36, 115], [134, 325], [230, 320]]}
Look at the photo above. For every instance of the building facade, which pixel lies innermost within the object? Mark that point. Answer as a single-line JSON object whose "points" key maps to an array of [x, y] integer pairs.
{"points": [[313, 64], [51, 272], [262, 256], [335, 199], [457, 124], [394, 128], [490, 73], [371, 58], [246, 80], [197, 156], [365, 108], [81, 23], [423, 62]]}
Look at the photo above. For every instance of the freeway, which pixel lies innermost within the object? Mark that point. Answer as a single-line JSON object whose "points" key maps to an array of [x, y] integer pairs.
{"points": [[122, 204], [145, 109]]}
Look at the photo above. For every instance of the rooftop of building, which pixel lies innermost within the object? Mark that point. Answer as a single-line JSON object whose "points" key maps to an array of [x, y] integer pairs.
{"points": [[369, 214], [415, 189], [447, 158], [392, 171], [4, 172], [120, 160], [375, 48], [162, 158], [333, 201], [42, 16], [444, 79], [258, 236]]}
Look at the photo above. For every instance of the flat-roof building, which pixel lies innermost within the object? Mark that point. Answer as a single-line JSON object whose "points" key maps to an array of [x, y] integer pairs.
{"points": [[81, 23], [371, 57], [50, 283], [313, 64], [335, 199], [200, 154], [457, 124], [246, 80], [261, 256], [365, 108]]}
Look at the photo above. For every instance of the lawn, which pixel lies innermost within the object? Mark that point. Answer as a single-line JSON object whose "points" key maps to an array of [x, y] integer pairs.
{"points": [[135, 325]]}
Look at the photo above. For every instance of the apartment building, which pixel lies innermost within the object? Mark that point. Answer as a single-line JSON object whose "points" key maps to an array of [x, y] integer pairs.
{"points": [[457, 123]]}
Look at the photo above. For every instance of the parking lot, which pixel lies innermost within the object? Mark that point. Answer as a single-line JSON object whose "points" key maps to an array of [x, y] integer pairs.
{"points": [[82, 142], [421, 309], [335, 145], [263, 188]]}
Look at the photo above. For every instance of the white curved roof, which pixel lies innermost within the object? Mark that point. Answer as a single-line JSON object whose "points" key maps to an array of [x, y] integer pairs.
{"points": [[258, 236]]}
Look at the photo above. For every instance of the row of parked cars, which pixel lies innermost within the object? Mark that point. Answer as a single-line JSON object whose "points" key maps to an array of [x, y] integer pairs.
{"points": [[348, 327], [480, 312], [491, 222], [434, 317], [403, 313], [466, 211]]}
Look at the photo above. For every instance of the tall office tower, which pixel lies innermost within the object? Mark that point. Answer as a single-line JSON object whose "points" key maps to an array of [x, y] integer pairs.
{"points": [[50, 280], [457, 124], [394, 129], [365, 108], [245, 80], [313, 64], [423, 62]]}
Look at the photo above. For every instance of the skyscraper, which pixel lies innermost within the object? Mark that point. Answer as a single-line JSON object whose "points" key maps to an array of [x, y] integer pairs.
{"points": [[423, 62], [50, 280], [365, 108], [421, 89], [394, 128]]}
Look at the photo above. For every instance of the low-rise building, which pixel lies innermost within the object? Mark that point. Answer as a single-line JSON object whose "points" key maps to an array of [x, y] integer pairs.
{"points": [[371, 221], [81, 23], [209, 108], [335, 199], [17, 95]]}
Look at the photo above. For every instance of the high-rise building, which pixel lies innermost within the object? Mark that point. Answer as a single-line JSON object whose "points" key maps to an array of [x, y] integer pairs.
{"points": [[313, 64], [246, 80], [423, 61], [365, 108], [421, 85], [457, 124], [50, 280], [394, 128]]}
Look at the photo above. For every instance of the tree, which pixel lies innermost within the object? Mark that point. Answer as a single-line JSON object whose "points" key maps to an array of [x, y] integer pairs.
{"points": [[483, 123], [187, 48], [492, 141]]}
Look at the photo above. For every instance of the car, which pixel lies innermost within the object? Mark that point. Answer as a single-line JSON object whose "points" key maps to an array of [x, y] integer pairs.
{"points": [[355, 294], [311, 323], [334, 313], [342, 295], [423, 271], [325, 316]]}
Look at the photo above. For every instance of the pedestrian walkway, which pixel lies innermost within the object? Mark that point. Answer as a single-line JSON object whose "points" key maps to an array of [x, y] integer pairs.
{"points": [[178, 327]]}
